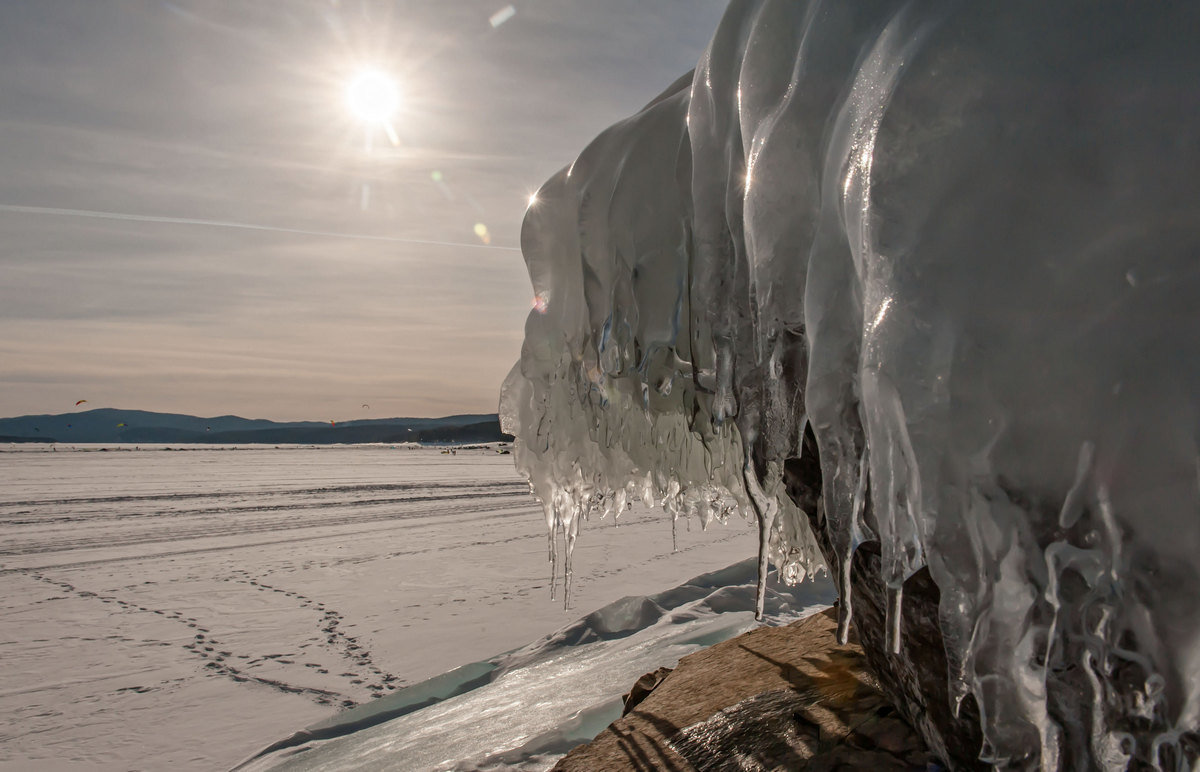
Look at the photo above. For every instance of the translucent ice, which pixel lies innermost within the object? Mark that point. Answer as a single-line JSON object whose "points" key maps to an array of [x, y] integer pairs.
{"points": [[956, 245]]}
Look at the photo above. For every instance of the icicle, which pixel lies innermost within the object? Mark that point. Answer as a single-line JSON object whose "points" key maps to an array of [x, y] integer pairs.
{"points": [[765, 520], [845, 601], [570, 532], [845, 591], [1073, 504], [552, 524], [894, 607], [765, 509], [553, 559]]}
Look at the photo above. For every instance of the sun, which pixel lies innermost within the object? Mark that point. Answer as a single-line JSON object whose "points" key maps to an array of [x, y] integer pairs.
{"points": [[373, 96]]}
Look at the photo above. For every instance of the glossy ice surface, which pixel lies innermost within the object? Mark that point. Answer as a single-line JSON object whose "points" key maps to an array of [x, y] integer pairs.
{"points": [[957, 242]]}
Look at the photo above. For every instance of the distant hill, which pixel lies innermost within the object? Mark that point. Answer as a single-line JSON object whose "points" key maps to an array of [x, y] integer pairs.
{"points": [[114, 425]]}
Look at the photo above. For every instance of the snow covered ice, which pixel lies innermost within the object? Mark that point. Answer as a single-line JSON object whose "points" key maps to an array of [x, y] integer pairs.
{"points": [[184, 608], [948, 249], [524, 709]]}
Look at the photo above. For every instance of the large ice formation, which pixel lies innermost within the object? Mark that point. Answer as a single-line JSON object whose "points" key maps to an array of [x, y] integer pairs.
{"points": [[946, 254]]}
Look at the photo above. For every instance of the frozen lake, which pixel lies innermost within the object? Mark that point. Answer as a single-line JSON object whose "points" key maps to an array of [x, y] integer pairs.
{"points": [[183, 608]]}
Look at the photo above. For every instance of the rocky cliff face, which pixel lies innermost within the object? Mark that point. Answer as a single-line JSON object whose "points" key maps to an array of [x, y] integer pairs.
{"points": [[913, 284]]}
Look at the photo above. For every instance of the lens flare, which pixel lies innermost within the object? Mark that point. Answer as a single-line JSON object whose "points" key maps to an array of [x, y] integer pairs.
{"points": [[373, 96], [501, 16]]}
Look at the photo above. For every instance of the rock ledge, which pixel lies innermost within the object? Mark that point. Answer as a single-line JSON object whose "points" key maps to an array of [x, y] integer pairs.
{"points": [[773, 698]]}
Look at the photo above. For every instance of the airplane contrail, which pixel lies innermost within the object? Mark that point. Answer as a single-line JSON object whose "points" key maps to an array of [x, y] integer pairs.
{"points": [[49, 210]]}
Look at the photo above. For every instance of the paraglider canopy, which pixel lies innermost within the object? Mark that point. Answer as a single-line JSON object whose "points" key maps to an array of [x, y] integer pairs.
{"points": [[80, 402]]}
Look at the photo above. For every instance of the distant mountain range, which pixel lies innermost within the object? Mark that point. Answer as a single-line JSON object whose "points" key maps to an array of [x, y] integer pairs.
{"points": [[113, 425]]}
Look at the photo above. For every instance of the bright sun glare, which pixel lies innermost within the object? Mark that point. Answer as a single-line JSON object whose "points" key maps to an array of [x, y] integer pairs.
{"points": [[373, 96]]}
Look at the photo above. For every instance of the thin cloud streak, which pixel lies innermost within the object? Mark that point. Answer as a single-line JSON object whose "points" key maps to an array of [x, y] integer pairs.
{"points": [[55, 211]]}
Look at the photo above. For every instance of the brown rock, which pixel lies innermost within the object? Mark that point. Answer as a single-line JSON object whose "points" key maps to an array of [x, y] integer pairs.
{"points": [[642, 688], [774, 698], [916, 680]]}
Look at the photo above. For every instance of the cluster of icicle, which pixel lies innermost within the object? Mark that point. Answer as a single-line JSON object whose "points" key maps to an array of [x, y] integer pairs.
{"points": [[956, 241]]}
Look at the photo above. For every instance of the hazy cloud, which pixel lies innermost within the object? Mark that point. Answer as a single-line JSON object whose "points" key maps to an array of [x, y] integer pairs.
{"points": [[193, 222]]}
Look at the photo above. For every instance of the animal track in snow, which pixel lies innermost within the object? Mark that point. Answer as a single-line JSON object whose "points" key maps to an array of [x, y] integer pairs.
{"points": [[202, 645], [347, 646]]}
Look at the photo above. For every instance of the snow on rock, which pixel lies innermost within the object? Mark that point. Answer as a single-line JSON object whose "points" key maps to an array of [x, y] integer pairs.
{"points": [[954, 244]]}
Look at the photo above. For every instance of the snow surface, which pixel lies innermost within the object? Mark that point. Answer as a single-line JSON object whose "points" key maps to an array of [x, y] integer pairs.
{"points": [[955, 241], [184, 608], [526, 708]]}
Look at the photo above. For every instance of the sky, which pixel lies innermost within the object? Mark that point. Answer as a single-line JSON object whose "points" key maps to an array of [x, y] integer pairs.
{"points": [[193, 220]]}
